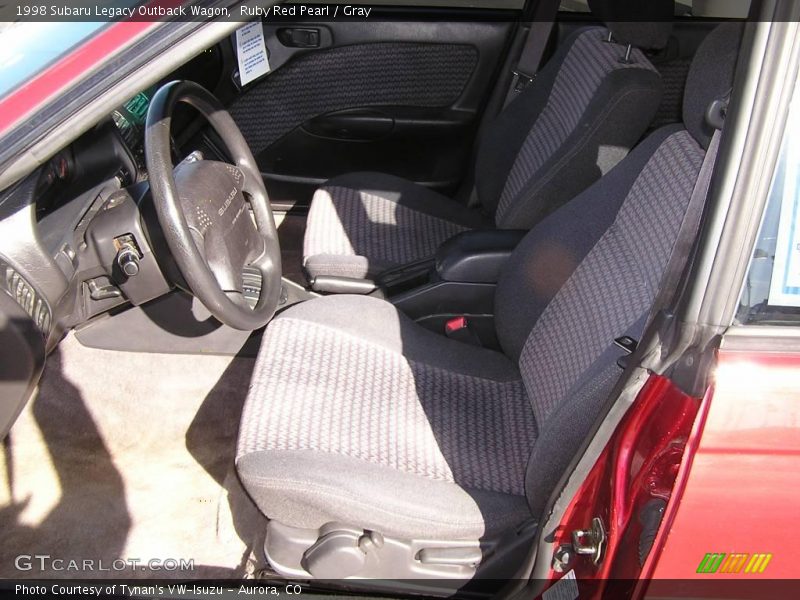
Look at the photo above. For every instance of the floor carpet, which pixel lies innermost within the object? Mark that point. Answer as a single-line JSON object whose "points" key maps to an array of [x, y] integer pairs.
{"points": [[129, 456]]}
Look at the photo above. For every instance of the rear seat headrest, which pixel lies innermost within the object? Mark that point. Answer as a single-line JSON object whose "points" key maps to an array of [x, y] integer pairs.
{"points": [[645, 24], [710, 78]]}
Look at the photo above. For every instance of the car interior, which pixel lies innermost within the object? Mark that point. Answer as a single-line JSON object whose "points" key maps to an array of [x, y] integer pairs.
{"points": [[354, 318]]}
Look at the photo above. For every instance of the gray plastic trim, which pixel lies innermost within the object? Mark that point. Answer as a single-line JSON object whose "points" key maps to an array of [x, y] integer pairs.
{"points": [[177, 323], [762, 338], [753, 135], [363, 554]]}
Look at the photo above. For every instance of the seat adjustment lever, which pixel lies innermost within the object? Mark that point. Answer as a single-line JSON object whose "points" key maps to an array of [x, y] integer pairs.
{"points": [[460, 556]]}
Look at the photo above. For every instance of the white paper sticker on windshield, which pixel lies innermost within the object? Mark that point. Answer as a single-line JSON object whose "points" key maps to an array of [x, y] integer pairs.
{"points": [[251, 52], [784, 288]]}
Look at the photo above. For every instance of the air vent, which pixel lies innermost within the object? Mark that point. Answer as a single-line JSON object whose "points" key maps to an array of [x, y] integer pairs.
{"points": [[27, 297]]}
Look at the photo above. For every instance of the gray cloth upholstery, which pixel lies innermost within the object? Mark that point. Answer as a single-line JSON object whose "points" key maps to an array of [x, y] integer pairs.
{"points": [[582, 115], [363, 223], [380, 323], [562, 240], [616, 281], [710, 78], [570, 424], [353, 406], [673, 79], [596, 110], [608, 295], [392, 404], [352, 76], [358, 415], [309, 488], [550, 254]]}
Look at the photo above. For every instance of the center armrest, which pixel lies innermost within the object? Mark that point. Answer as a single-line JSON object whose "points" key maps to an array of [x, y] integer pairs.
{"points": [[476, 256]]}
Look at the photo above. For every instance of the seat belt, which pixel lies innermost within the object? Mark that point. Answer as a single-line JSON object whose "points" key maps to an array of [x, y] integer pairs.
{"points": [[690, 227], [687, 235], [530, 58]]}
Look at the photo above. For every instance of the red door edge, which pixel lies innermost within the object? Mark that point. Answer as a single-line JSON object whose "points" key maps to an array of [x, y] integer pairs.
{"points": [[648, 454], [677, 493]]}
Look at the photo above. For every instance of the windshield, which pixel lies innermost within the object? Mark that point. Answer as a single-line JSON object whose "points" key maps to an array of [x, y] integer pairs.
{"points": [[27, 48]]}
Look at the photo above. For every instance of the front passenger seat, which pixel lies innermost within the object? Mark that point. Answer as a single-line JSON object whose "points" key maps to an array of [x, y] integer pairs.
{"points": [[379, 448], [580, 116]]}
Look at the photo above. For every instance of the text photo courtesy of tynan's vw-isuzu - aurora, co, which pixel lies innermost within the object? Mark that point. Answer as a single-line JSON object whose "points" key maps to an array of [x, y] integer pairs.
{"points": [[400, 299]]}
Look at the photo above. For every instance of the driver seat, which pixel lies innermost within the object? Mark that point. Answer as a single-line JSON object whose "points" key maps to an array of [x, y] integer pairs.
{"points": [[381, 449]]}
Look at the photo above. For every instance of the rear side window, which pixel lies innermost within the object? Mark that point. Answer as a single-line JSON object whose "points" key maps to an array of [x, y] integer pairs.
{"points": [[710, 9], [577, 6], [772, 289], [714, 9]]}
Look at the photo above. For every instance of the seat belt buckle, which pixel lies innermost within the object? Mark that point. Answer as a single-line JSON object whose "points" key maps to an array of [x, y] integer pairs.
{"points": [[629, 345], [458, 329], [521, 80]]}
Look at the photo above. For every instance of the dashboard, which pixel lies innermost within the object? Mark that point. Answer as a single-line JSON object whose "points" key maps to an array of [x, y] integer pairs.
{"points": [[72, 188], [77, 235], [130, 119], [109, 157], [99, 159]]}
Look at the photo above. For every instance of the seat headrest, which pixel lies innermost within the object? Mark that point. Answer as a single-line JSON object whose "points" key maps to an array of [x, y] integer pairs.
{"points": [[710, 78], [645, 24]]}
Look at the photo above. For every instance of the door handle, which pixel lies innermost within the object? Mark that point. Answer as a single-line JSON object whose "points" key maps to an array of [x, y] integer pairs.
{"points": [[299, 37], [351, 124]]}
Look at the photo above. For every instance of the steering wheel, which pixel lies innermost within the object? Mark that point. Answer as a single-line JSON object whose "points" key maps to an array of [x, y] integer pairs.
{"points": [[203, 213]]}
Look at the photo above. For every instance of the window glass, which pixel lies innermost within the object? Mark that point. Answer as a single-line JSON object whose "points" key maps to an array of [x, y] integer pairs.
{"points": [[579, 6], [715, 9], [27, 48], [772, 289]]}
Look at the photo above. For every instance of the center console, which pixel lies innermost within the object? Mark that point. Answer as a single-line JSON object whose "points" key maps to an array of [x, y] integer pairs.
{"points": [[460, 282]]}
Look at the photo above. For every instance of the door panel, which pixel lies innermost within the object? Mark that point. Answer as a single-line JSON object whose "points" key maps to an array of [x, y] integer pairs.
{"points": [[397, 97]]}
